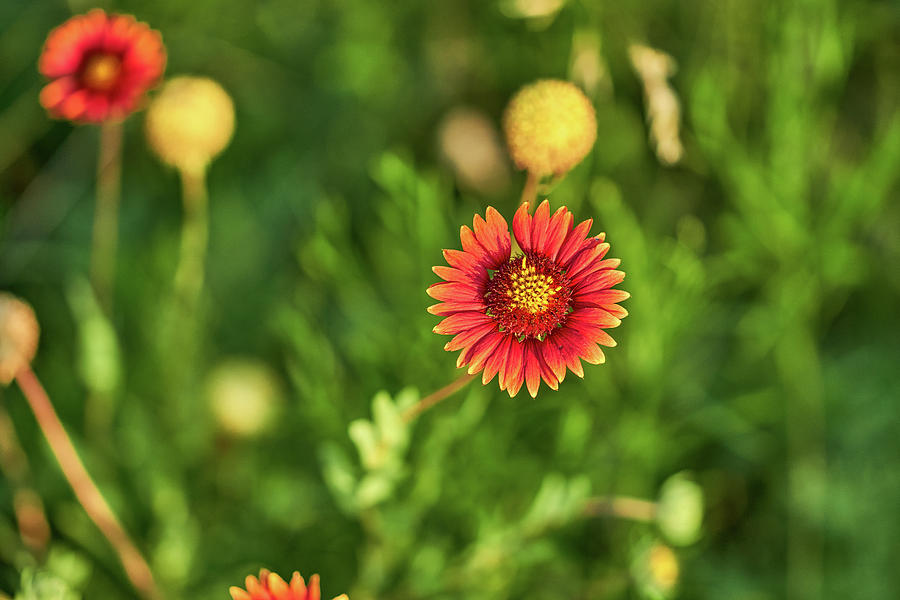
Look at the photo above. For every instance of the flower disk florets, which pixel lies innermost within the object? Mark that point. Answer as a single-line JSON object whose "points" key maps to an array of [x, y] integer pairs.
{"points": [[550, 127], [529, 296]]}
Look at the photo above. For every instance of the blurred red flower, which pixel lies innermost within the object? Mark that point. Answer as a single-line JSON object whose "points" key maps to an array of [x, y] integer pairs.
{"points": [[528, 317], [270, 586], [100, 66]]}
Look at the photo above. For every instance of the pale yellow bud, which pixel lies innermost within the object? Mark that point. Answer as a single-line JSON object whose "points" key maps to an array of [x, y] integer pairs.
{"points": [[471, 145], [189, 122], [531, 9], [680, 510], [244, 396], [550, 127], [19, 333]]}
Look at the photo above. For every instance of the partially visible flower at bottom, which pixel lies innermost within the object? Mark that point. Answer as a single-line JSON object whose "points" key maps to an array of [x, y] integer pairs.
{"points": [[270, 586], [528, 317]]}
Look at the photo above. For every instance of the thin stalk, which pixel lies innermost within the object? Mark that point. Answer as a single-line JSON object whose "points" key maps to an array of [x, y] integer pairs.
{"points": [[435, 397], [194, 237], [622, 507], [86, 491], [530, 191], [106, 211], [29, 510]]}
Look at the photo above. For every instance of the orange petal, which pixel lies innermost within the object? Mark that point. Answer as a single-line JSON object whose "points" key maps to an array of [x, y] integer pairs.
{"points": [[522, 227], [298, 586], [278, 587], [314, 593], [239, 594]]}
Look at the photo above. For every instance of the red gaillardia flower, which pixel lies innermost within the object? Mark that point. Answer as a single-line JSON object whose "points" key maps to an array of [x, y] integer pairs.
{"points": [[100, 65], [528, 317], [270, 586]]}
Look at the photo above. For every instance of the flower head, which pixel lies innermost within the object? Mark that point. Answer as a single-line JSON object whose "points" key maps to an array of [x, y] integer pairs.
{"points": [[100, 66], [19, 332], [270, 586], [189, 122], [244, 396], [531, 316], [550, 127]]}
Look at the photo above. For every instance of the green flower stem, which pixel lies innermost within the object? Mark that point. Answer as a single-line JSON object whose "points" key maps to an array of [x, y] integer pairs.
{"points": [[106, 212], [435, 397], [622, 507], [530, 191], [194, 237]]}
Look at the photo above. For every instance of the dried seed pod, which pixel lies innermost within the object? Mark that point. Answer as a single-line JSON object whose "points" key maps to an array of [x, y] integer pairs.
{"points": [[19, 333]]}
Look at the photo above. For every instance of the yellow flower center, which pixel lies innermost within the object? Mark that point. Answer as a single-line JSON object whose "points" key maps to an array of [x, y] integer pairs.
{"points": [[530, 290], [528, 296], [101, 71]]}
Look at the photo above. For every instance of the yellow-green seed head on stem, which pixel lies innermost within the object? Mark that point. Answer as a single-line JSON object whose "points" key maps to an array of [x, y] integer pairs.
{"points": [[550, 127], [190, 122]]}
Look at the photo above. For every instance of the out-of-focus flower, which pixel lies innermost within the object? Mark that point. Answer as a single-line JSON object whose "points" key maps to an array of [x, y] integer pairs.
{"points": [[19, 333], [540, 10], [189, 122], [664, 566], [471, 145], [680, 510], [528, 317], [656, 570], [550, 127], [270, 586], [100, 66], [587, 68], [244, 396], [663, 109]]}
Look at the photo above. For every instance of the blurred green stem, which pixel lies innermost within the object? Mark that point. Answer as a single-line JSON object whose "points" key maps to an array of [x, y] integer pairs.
{"points": [[89, 496], [435, 397], [194, 236], [106, 212], [529, 192], [799, 367]]}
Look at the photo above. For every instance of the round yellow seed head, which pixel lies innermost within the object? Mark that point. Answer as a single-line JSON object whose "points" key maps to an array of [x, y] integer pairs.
{"points": [[244, 396], [19, 332], [550, 127], [189, 122]]}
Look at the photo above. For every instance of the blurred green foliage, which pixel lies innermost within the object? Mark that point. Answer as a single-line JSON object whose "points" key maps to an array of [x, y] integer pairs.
{"points": [[760, 353]]}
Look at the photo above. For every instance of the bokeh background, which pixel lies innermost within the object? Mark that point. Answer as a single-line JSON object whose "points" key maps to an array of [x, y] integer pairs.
{"points": [[755, 379]]}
